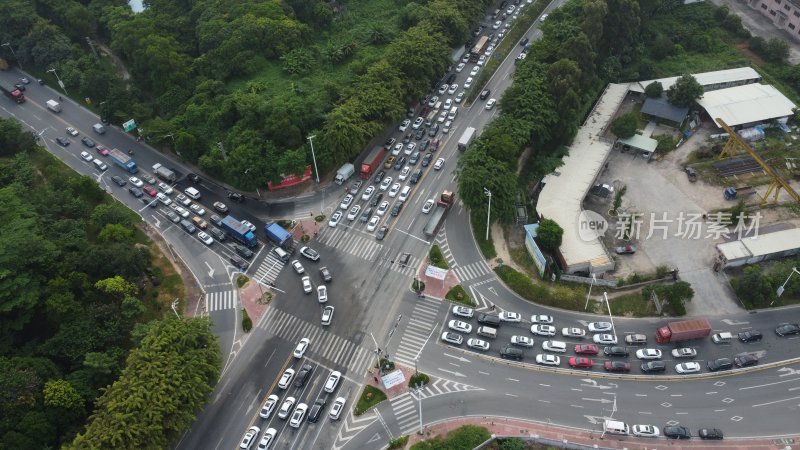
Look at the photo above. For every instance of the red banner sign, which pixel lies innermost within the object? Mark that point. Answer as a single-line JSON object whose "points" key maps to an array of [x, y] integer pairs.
{"points": [[291, 180]]}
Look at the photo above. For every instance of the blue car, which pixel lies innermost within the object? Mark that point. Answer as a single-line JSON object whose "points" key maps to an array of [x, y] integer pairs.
{"points": [[400, 162]]}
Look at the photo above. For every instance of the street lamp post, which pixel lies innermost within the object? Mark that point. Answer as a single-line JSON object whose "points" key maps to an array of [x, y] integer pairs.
{"points": [[8, 44], [391, 334], [313, 156], [613, 410], [418, 391], [590, 292], [488, 193], [610, 317], [782, 287], [60, 83]]}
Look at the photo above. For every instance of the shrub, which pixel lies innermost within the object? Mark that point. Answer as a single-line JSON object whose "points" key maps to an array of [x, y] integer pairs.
{"points": [[463, 438], [420, 379], [247, 323], [398, 443], [457, 294], [436, 257], [370, 397]]}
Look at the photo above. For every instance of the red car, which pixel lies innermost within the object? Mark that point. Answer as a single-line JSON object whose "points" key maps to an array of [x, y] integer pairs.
{"points": [[103, 150], [150, 190], [587, 349], [617, 366], [585, 363]]}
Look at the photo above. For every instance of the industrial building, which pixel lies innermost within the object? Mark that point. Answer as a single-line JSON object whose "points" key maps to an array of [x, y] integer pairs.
{"points": [[751, 250]]}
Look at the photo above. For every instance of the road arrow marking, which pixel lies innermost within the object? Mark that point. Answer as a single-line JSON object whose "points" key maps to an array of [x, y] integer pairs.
{"points": [[374, 438], [601, 400], [450, 372], [460, 358], [158, 222], [493, 291], [210, 270], [734, 322]]}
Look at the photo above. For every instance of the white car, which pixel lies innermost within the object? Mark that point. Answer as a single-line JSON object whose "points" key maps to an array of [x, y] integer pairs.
{"points": [[448, 104], [373, 223], [510, 316], [541, 318], [386, 183], [404, 174], [301, 348], [522, 341], [86, 156], [548, 360], [322, 293], [573, 332], [327, 315], [474, 71], [599, 327], [298, 267], [543, 330], [286, 378], [459, 97], [199, 210], [687, 367], [463, 311], [335, 219], [685, 352], [286, 407], [337, 408], [368, 192], [459, 68], [442, 117], [443, 88], [453, 338], [410, 148], [307, 288], [453, 88], [249, 437], [497, 24], [432, 101], [645, 431], [418, 123], [72, 131], [165, 188], [478, 344], [382, 208], [426, 208], [183, 200], [269, 406], [648, 353], [333, 381], [248, 224], [182, 212], [298, 415], [405, 125], [136, 182], [439, 164], [353, 212], [490, 104], [482, 60], [461, 327], [267, 439], [447, 126], [605, 339], [205, 238], [468, 83], [397, 148], [394, 190], [346, 201]]}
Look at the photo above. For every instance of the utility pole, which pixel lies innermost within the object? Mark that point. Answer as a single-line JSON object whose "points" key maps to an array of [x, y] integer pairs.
{"points": [[488, 193], [313, 156], [60, 83], [8, 44]]}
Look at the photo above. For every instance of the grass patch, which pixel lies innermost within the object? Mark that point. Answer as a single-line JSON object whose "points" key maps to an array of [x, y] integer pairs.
{"points": [[468, 436], [631, 305], [370, 397], [418, 379], [319, 218], [457, 294], [521, 257], [241, 280], [398, 443], [560, 296], [478, 220], [436, 257], [247, 322]]}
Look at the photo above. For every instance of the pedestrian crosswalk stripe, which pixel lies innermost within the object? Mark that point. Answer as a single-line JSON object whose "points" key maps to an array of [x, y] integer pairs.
{"points": [[220, 301], [471, 271]]}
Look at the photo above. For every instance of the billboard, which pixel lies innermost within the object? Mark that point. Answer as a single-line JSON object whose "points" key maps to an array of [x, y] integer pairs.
{"points": [[291, 180], [533, 249]]}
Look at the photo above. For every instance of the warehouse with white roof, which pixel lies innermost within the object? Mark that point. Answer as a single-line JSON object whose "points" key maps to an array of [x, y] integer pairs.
{"points": [[751, 250], [748, 105]]}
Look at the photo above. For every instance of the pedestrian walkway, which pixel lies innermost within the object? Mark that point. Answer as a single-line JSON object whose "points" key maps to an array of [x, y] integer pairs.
{"points": [[269, 269], [352, 241], [325, 346], [419, 327], [405, 406], [472, 271], [221, 300]]}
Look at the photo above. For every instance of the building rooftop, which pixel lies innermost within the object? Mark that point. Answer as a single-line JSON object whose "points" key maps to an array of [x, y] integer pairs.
{"points": [[746, 104], [641, 142], [660, 107], [707, 79], [761, 245]]}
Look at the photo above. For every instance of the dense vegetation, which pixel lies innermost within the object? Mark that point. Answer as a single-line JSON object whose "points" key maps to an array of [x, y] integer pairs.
{"points": [[462, 438], [76, 294]]}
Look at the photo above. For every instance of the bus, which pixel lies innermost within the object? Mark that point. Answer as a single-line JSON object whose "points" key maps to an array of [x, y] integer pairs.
{"points": [[479, 48]]}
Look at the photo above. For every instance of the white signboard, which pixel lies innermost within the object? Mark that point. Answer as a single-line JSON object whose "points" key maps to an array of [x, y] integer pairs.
{"points": [[435, 272], [393, 379]]}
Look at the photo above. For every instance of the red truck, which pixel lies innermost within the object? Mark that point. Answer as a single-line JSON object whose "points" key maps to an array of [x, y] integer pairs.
{"points": [[372, 161], [683, 331]]}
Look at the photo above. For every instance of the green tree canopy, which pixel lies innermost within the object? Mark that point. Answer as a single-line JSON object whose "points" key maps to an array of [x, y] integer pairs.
{"points": [[625, 125], [685, 91], [549, 235], [654, 89]]}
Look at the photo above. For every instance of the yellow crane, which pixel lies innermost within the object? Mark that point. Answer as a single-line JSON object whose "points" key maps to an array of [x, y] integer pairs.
{"points": [[735, 142]]}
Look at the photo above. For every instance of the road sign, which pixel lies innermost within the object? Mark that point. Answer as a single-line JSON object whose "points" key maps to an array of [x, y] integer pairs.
{"points": [[129, 126], [435, 272]]}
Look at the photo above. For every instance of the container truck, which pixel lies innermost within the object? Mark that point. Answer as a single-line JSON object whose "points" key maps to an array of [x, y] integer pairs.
{"points": [[239, 231], [12, 92], [466, 139], [54, 106], [372, 161], [438, 214], [278, 235], [123, 160], [344, 173], [164, 173], [683, 331]]}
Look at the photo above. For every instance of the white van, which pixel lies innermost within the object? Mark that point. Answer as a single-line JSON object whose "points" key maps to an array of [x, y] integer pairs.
{"points": [[554, 346], [488, 332], [193, 193], [453, 113], [722, 338], [616, 427], [404, 193], [281, 254], [100, 164]]}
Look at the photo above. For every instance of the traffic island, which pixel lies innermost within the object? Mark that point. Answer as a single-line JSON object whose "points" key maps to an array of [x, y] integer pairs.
{"points": [[254, 297], [370, 397], [457, 294]]}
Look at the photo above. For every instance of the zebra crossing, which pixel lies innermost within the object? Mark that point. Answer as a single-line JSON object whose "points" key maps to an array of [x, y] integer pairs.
{"points": [[405, 407], [418, 329], [472, 271], [269, 269], [220, 301], [394, 264], [444, 246], [350, 241], [325, 345]]}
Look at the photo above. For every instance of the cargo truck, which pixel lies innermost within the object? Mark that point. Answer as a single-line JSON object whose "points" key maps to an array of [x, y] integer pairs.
{"points": [[439, 213], [466, 139], [239, 231], [164, 173], [123, 160], [683, 331], [344, 173], [54, 106], [13, 93], [372, 161], [278, 235]]}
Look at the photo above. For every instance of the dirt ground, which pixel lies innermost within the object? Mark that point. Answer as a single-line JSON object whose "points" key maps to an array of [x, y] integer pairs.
{"points": [[192, 305]]}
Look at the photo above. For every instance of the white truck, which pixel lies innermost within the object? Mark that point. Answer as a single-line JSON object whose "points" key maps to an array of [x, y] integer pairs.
{"points": [[344, 173], [54, 106], [164, 173], [466, 139]]}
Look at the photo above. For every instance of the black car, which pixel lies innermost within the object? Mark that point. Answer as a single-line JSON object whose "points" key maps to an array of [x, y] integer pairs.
{"points": [[88, 142], [750, 336], [149, 201], [787, 329], [485, 94], [20, 86], [719, 364], [316, 410], [407, 138], [396, 209], [62, 141], [193, 177], [235, 196], [451, 78], [615, 351], [677, 432], [326, 274], [419, 134], [400, 163], [119, 180], [379, 176], [654, 366], [511, 353], [426, 160], [745, 360], [239, 262], [136, 192], [434, 129], [523, 41], [416, 176], [376, 199], [216, 220], [424, 145], [244, 252], [381, 233], [389, 143], [710, 433], [489, 319], [303, 375], [217, 233]]}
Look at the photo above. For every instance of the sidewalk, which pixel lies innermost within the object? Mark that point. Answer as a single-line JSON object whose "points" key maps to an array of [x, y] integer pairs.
{"points": [[436, 288], [505, 427]]}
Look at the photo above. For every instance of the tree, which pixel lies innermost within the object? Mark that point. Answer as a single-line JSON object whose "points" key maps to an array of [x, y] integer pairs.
{"points": [[654, 89], [61, 394], [549, 235], [625, 125], [753, 288], [685, 91]]}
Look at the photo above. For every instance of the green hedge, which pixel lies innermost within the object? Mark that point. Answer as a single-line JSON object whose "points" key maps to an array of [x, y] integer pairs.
{"points": [[560, 296], [436, 257], [398, 443], [464, 438], [369, 398], [419, 378], [457, 294], [478, 220], [247, 323]]}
